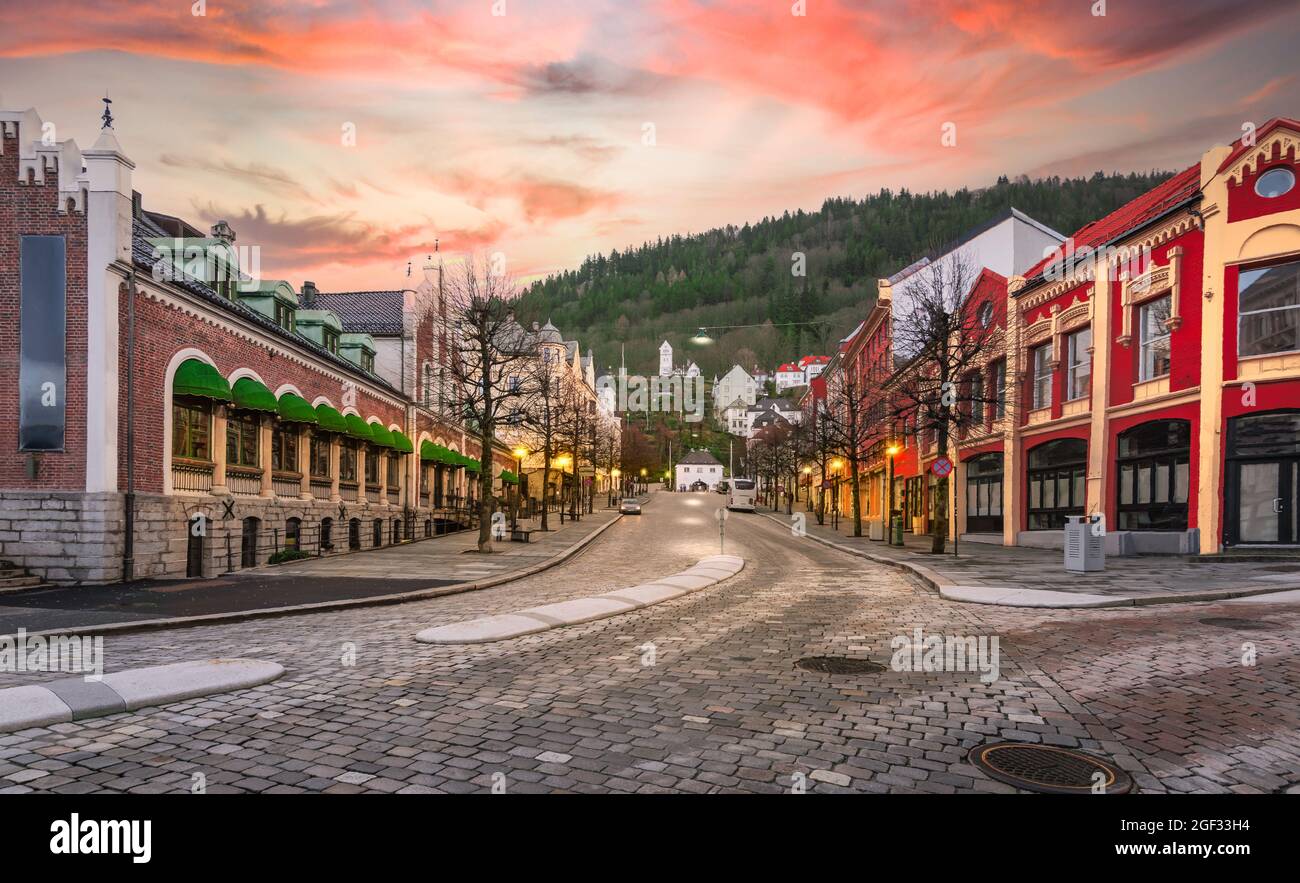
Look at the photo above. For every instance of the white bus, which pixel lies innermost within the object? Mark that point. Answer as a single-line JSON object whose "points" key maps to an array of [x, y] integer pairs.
{"points": [[741, 494]]}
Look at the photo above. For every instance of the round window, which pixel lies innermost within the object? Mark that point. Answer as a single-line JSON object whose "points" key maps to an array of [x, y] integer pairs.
{"points": [[1275, 182], [985, 314]]}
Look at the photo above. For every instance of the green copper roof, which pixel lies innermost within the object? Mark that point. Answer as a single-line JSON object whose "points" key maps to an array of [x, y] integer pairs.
{"points": [[196, 378]]}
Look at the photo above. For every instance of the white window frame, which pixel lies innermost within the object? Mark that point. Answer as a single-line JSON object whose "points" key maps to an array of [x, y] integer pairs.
{"points": [[1147, 344], [1042, 397], [1079, 358]]}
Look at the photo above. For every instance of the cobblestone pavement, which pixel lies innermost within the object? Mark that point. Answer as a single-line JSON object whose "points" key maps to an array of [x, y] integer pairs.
{"points": [[697, 694], [1022, 567]]}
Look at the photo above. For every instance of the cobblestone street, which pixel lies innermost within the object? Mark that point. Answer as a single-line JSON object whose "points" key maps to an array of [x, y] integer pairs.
{"points": [[697, 694]]}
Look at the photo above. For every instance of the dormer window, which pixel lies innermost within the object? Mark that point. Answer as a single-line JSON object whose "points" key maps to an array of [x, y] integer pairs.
{"points": [[368, 362], [284, 316], [1275, 182], [331, 341]]}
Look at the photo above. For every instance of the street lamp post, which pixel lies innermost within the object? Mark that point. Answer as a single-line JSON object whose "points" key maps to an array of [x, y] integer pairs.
{"points": [[807, 480], [892, 450], [835, 493]]}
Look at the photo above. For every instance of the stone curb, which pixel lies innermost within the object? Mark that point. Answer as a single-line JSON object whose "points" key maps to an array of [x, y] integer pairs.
{"points": [[1014, 596], [72, 699], [324, 606], [502, 627]]}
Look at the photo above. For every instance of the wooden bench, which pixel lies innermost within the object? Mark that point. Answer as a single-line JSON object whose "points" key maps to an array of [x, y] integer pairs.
{"points": [[519, 535]]}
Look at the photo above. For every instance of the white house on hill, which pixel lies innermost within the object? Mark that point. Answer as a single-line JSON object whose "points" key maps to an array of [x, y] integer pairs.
{"points": [[698, 466]]}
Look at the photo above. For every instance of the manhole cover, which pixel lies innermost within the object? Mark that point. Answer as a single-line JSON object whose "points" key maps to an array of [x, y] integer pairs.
{"points": [[1228, 622], [1048, 769], [839, 665]]}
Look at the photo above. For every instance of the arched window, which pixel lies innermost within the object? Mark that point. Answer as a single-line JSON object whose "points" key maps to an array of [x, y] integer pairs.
{"points": [[326, 531], [292, 534], [1153, 475], [1056, 480], [354, 534], [428, 527], [377, 533]]}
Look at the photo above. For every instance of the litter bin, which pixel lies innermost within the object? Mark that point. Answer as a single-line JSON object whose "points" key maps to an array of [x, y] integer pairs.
{"points": [[1085, 550], [896, 530]]}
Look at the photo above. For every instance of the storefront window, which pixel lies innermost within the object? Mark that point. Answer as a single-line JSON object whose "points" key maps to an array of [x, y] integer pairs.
{"points": [[320, 455], [1269, 310], [372, 468], [1056, 479], [242, 430], [1153, 473], [1153, 331], [983, 489], [284, 449], [191, 429], [348, 460], [392, 470]]}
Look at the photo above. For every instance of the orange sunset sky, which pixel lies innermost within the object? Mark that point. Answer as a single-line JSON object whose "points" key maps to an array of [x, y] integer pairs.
{"points": [[525, 132]]}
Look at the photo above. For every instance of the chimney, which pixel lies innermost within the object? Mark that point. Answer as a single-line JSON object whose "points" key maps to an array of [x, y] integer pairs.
{"points": [[308, 293], [221, 230]]}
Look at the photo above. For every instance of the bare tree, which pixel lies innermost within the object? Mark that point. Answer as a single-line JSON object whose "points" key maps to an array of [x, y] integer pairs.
{"points": [[541, 387], [488, 346], [945, 333], [577, 420], [852, 422]]}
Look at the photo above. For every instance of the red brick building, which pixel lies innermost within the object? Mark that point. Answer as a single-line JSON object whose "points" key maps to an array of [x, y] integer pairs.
{"points": [[1146, 373], [169, 413]]}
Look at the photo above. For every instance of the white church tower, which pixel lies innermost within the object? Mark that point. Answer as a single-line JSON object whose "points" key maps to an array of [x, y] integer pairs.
{"points": [[665, 359]]}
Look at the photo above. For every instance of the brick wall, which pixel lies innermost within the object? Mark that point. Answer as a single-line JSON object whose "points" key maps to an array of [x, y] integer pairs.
{"points": [[32, 209], [163, 330]]}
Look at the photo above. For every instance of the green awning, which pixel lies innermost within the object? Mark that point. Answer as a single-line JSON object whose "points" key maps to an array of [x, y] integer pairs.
{"points": [[358, 428], [196, 378], [330, 420], [402, 443], [253, 396], [509, 477], [429, 451], [295, 409], [472, 465], [382, 436]]}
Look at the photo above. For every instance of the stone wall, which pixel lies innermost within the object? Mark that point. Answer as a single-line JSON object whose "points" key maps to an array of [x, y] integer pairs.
{"points": [[77, 538], [63, 536]]}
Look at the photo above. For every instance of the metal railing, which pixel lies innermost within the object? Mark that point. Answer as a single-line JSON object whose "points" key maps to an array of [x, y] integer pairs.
{"points": [[191, 478]]}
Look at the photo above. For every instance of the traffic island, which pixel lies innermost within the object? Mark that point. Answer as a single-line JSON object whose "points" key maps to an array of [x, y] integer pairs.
{"points": [[71, 699], [502, 627]]}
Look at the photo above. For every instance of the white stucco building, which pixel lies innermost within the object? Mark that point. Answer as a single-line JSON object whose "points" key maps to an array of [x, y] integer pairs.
{"points": [[698, 466]]}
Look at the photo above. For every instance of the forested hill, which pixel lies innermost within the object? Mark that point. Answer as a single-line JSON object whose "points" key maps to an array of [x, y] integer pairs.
{"points": [[742, 275]]}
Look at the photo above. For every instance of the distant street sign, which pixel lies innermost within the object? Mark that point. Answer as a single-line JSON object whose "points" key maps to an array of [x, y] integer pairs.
{"points": [[826, 482], [941, 466]]}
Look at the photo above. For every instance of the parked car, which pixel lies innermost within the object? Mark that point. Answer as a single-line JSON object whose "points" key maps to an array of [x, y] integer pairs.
{"points": [[630, 506], [722, 487]]}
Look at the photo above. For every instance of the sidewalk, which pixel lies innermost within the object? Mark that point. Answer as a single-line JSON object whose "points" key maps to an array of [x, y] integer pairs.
{"points": [[391, 574], [1022, 577]]}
